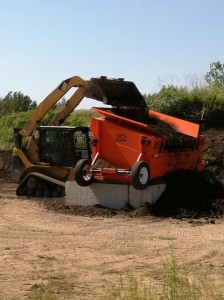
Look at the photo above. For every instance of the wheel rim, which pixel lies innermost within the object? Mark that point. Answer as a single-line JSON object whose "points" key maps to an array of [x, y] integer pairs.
{"points": [[143, 175], [86, 173]]}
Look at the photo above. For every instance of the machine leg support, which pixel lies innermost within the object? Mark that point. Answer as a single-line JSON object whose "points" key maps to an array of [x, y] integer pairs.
{"points": [[114, 196]]}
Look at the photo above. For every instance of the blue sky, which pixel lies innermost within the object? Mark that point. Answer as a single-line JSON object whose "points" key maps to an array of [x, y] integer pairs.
{"points": [[46, 41]]}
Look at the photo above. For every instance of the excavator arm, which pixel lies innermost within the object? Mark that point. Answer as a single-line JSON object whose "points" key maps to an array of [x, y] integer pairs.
{"points": [[42, 109], [68, 107]]}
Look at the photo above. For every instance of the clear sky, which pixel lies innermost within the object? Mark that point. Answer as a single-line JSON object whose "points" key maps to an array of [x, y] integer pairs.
{"points": [[46, 41]]}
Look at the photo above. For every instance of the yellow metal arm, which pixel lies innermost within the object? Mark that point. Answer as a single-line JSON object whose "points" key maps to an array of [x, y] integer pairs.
{"points": [[68, 107], [42, 109]]}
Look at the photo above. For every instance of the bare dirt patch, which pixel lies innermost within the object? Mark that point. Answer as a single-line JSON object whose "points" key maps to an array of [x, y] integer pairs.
{"points": [[74, 256]]}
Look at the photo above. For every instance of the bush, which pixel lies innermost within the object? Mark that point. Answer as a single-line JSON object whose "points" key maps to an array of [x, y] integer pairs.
{"points": [[198, 102]]}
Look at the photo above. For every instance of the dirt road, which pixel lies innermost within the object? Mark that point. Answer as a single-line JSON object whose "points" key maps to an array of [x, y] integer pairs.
{"points": [[82, 257]]}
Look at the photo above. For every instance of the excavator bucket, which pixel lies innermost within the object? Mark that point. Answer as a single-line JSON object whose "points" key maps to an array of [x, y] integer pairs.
{"points": [[115, 92]]}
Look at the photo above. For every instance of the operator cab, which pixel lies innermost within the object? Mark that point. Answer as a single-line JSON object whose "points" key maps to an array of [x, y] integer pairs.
{"points": [[62, 145]]}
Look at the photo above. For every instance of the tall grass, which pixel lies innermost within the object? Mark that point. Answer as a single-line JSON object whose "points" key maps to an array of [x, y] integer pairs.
{"points": [[177, 284], [131, 289], [6, 138], [41, 294], [198, 101]]}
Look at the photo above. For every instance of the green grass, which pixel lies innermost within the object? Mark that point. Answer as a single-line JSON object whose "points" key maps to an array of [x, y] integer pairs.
{"points": [[131, 289], [177, 284], [41, 294], [6, 138], [38, 294]]}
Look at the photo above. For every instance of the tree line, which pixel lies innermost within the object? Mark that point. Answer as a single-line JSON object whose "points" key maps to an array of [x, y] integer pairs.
{"points": [[15, 102], [197, 101]]}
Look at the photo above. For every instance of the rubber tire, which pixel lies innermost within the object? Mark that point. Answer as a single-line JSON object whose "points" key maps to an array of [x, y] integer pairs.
{"points": [[81, 177], [136, 175]]}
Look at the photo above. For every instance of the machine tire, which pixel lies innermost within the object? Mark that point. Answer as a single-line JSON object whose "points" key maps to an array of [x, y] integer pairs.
{"points": [[83, 177], [140, 175]]}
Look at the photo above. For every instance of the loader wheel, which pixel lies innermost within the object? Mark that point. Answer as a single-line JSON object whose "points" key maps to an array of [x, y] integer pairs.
{"points": [[83, 175], [140, 175]]}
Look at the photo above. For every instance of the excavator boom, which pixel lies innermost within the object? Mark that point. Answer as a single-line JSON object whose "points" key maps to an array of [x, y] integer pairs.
{"points": [[42, 109], [68, 107]]}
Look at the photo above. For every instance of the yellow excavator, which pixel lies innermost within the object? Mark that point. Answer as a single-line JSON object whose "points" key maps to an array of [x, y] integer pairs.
{"points": [[44, 157]]}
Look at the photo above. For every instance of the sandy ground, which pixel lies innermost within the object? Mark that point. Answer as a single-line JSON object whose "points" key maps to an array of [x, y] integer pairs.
{"points": [[82, 257]]}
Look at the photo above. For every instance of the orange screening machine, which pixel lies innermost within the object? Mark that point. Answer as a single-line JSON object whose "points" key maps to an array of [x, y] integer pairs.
{"points": [[137, 146]]}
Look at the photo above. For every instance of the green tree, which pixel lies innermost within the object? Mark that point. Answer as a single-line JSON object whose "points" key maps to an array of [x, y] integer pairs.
{"points": [[15, 102], [216, 74]]}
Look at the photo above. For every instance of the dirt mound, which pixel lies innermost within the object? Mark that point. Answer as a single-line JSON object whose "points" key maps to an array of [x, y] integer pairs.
{"points": [[191, 195], [5, 165], [214, 153], [5, 159], [174, 139]]}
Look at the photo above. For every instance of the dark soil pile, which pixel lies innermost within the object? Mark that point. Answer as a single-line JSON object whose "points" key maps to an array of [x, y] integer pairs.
{"points": [[5, 159], [190, 195], [173, 139], [196, 195], [214, 152]]}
